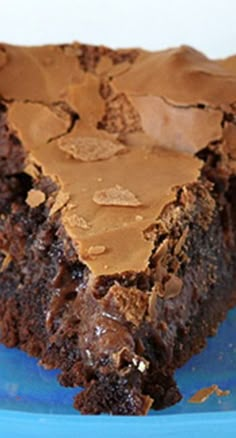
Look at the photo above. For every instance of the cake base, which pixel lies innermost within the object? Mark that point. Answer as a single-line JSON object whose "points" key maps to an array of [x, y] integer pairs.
{"points": [[46, 307]]}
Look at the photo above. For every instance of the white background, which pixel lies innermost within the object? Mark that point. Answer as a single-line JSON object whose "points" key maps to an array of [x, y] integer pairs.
{"points": [[209, 25]]}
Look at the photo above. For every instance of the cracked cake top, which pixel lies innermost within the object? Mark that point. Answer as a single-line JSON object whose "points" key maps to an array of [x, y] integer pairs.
{"points": [[117, 131]]}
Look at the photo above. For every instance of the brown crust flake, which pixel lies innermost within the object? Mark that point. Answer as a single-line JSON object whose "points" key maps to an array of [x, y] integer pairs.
{"points": [[61, 200], [77, 221], [179, 245], [173, 287], [96, 250], [203, 394], [131, 303], [90, 148], [116, 196], [35, 198], [6, 261]]}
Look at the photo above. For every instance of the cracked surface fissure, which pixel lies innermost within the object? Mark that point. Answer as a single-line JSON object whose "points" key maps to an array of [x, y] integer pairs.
{"points": [[229, 117], [99, 53], [62, 105]]}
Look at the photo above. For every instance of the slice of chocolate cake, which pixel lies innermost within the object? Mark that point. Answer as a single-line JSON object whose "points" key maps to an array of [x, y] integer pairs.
{"points": [[117, 214]]}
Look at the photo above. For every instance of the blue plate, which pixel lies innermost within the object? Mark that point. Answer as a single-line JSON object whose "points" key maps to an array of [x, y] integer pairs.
{"points": [[33, 404]]}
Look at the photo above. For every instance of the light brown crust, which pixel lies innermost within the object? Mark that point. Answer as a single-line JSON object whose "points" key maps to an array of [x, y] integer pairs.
{"points": [[139, 123], [35, 198]]}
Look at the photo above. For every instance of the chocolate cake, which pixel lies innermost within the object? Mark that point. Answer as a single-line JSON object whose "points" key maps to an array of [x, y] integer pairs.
{"points": [[117, 214]]}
